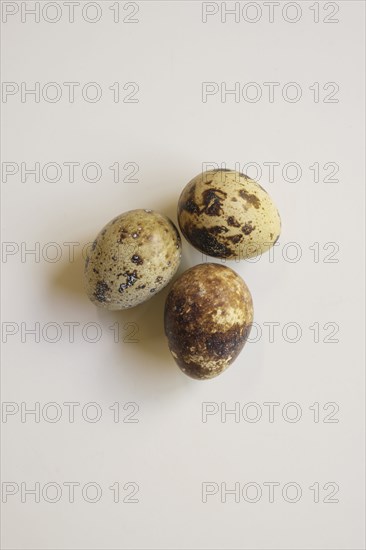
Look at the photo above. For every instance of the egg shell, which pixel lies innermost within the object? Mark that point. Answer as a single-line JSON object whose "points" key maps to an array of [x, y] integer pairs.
{"points": [[225, 214], [133, 257], [208, 316]]}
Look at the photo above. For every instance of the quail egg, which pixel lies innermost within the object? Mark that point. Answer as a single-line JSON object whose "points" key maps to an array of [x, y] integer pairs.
{"points": [[208, 316], [226, 214], [133, 257]]}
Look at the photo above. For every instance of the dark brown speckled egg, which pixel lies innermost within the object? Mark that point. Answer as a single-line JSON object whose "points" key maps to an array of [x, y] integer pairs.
{"points": [[133, 257], [208, 316], [226, 214]]}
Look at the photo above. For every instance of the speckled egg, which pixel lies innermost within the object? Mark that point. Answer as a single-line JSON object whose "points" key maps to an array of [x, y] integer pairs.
{"points": [[133, 257], [208, 316], [225, 214]]}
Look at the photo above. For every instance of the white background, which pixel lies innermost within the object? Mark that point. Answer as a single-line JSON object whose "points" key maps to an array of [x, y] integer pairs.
{"points": [[170, 132]]}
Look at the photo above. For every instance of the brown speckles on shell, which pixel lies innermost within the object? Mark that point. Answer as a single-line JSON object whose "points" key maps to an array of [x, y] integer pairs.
{"points": [[212, 201], [235, 238], [217, 229], [131, 278], [136, 259], [247, 228], [232, 221], [191, 207], [250, 198], [208, 315], [225, 218], [123, 233], [206, 241], [188, 204], [101, 289], [137, 251]]}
